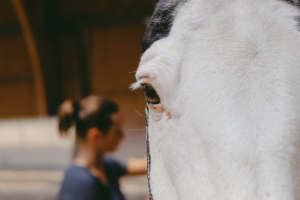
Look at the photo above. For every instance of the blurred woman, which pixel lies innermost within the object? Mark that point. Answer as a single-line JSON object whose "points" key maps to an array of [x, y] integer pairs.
{"points": [[94, 175]]}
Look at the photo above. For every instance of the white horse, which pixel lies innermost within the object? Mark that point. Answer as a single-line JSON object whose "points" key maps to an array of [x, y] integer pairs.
{"points": [[222, 81]]}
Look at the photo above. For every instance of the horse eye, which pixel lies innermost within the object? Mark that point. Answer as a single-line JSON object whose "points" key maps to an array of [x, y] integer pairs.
{"points": [[150, 94]]}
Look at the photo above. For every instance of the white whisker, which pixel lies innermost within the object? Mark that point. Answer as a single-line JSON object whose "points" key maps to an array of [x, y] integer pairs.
{"points": [[135, 85], [139, 113], [138, 129]]}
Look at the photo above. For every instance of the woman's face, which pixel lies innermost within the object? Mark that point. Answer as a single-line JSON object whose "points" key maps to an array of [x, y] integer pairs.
{"points": [[114, 135]]}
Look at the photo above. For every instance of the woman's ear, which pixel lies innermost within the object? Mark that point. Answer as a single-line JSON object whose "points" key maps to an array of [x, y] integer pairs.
{"points": [[93, 133]]}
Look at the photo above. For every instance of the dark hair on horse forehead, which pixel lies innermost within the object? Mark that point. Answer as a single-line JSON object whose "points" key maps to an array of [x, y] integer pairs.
{"points": [[161, 21], [155, 1], [294, 2]]}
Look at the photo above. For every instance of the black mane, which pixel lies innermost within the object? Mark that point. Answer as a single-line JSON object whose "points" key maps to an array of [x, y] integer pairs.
{"points": [[161, 22], [292, 2], [162, 19]]}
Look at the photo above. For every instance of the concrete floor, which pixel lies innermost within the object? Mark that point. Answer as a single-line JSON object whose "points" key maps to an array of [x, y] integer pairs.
{"points": [[33, 158]]}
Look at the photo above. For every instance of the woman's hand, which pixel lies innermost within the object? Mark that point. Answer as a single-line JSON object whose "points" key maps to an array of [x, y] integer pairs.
{"points": [[137, 166]]}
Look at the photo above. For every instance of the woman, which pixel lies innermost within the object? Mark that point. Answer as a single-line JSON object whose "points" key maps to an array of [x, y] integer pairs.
{"points": [[94, 175]]}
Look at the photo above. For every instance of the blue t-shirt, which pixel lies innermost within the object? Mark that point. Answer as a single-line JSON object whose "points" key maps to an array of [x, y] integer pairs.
{"points": [[80, 184]]}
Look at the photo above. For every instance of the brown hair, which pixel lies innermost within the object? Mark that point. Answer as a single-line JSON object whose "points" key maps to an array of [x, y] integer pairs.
{"points": [[92, 111]]}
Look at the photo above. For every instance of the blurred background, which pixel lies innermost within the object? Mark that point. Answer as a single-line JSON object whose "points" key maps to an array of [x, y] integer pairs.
{"points": [[53, 50]]}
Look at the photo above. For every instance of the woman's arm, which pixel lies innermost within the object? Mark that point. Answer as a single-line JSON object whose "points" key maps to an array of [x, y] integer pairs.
{"points": [[137, 166]]}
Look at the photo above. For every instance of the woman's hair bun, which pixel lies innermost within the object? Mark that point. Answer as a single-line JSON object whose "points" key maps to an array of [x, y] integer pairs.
{"points": [[67, 114], [92, 111]]}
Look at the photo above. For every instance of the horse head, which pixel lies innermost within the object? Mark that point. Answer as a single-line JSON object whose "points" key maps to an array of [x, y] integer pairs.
{"points": [[222, 82]]}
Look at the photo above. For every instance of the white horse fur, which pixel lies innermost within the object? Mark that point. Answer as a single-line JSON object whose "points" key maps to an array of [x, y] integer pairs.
{"points": [[228, 124]]}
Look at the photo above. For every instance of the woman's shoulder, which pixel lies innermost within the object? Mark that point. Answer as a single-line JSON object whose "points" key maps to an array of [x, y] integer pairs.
{"points": [[112, 161], [80, 184], [115, 166], [75, 174]]}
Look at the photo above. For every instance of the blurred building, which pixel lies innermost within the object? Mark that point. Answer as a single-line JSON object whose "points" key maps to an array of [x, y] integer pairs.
{"points": [[51, 50]]}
